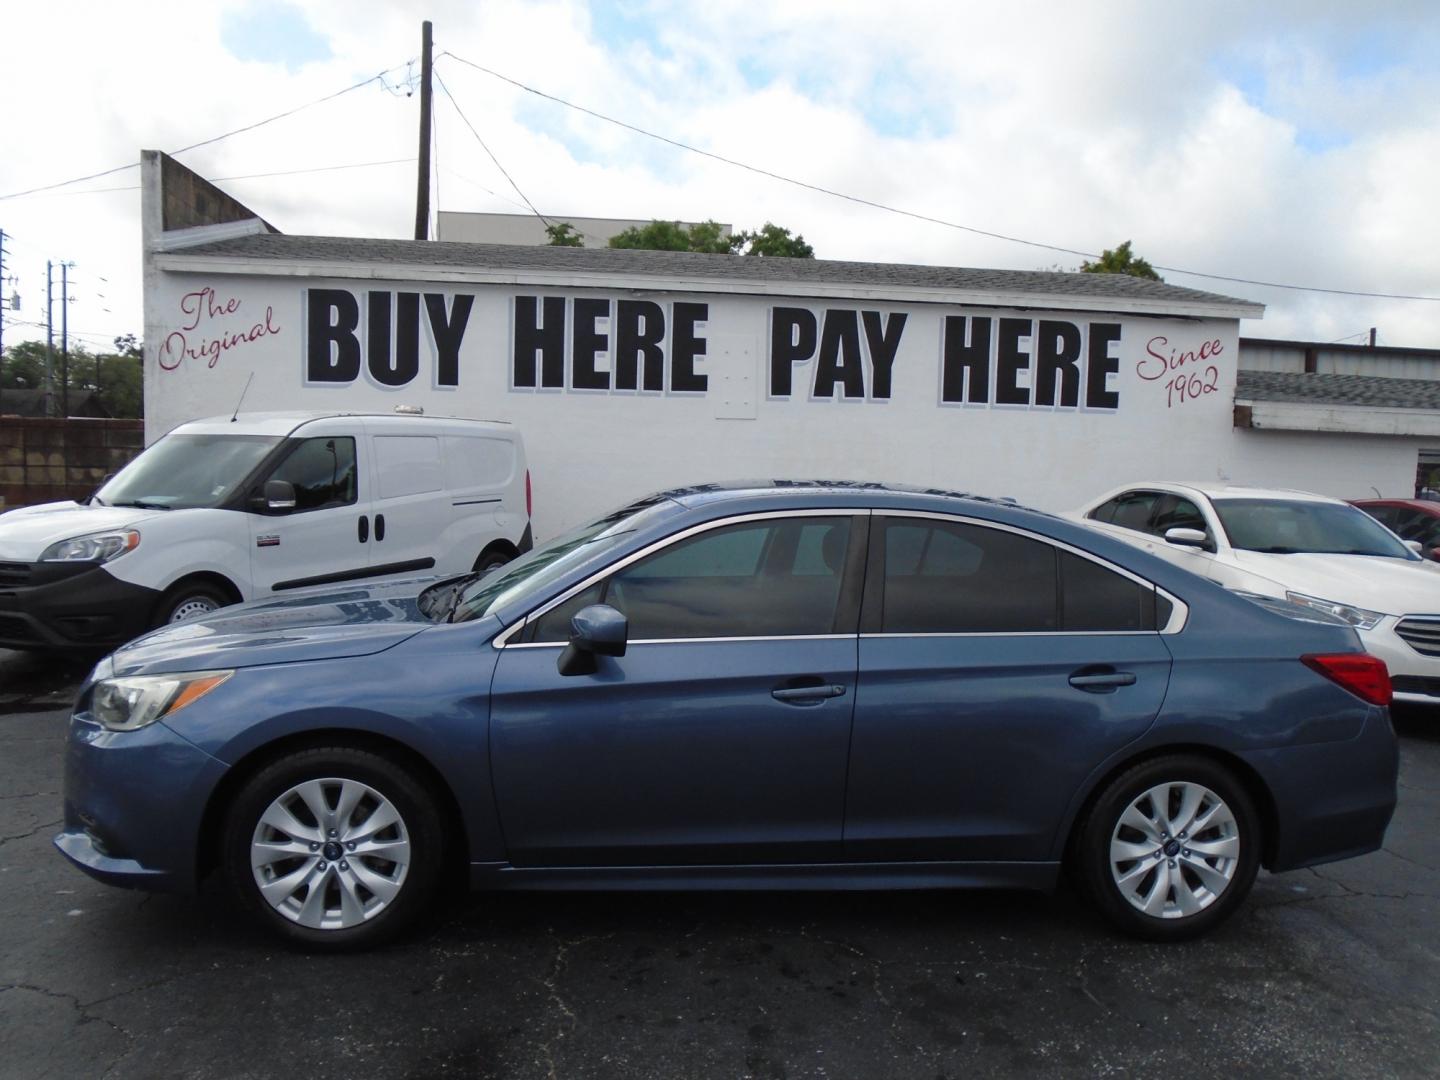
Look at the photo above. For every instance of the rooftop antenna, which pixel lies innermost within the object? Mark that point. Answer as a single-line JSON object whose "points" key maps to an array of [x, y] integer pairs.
{"points": [[236, 413]]}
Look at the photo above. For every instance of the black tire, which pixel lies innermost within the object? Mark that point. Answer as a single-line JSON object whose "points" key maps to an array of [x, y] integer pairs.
{"points": [[491, 559], [414, 876], [1148, 877], [189, 600]]}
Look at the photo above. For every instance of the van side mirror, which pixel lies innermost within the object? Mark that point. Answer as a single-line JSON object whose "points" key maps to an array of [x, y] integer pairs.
{"points": [[1188, 538], [597, 630], [279, 495]]}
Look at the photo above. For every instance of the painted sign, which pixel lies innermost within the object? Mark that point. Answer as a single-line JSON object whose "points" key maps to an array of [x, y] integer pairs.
{"points": [[621, 392]]}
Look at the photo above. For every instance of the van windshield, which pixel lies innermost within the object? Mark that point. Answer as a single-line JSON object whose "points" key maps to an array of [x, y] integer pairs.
{"points": [[534, 572], [186, 471]]}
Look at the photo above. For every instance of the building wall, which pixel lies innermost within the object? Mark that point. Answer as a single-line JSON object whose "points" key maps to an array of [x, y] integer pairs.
{"points": [[591, 448], [527, 229], [48, 459]]}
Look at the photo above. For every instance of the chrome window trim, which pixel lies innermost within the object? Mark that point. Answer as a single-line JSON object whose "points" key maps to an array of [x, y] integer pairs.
{"points": [[1179, 611], [502, 641], [696, 640]]}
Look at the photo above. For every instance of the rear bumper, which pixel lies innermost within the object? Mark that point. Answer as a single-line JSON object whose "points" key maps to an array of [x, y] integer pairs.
{"points": [[73, 607], [1333, 800]]}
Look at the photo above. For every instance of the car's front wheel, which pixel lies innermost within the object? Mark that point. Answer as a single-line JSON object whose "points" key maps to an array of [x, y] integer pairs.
{"points": [[334, 847], [1170, 847]]}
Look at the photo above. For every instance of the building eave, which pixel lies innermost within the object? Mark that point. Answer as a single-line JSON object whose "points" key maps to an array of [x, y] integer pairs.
{"points": [[179, 262]]}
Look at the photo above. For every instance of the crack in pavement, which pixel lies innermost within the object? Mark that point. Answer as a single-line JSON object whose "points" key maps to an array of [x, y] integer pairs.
{"points": [[38, 829], [28, 795], [1406, 858], [81, 1010]]}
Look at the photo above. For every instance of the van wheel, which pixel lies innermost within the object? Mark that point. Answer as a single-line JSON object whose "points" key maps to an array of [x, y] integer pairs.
{"points": [[193, 601], [335, 848], [489, 560]]}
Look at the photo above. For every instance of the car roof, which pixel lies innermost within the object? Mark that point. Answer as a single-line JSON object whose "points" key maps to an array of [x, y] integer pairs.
{"points": [[284, 423], [1427, 505], [1212, 490], [728, 490]]}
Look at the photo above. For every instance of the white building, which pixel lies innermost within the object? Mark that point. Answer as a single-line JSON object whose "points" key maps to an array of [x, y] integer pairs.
{"points": [[629, 371]]}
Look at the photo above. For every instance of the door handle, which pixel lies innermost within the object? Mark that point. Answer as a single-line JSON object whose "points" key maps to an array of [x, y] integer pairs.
{"points": [[379, 527], [807, 693], [1101, 682], [362, 528]]}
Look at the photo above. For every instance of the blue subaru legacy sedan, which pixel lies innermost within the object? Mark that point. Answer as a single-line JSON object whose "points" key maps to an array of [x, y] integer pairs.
{"points": [[778, 685]]}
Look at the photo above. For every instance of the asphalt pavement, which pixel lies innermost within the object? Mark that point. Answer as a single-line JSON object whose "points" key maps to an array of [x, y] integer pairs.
{"points": [[1327, 972]]}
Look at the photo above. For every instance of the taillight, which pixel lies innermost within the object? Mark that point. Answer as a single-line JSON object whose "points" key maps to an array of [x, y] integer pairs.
{"points": [[529, 499], [1363, 675]]}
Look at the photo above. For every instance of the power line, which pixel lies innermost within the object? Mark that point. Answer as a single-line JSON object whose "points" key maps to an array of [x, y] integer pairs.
{"points": [[251, 176], [487, 149], [207, 142], [898, 210]]}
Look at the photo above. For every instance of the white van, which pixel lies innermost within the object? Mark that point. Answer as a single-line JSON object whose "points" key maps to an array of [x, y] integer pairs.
{"points": [[235, 508]]}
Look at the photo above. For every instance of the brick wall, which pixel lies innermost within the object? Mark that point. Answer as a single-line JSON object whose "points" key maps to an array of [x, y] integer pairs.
{"points": [[45, 459]]}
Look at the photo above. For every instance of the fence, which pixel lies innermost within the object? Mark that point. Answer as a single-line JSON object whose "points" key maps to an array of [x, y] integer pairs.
{"points": [[44, 459]]}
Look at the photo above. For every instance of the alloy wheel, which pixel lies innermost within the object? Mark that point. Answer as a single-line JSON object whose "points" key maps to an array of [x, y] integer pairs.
{"points": [[330, 854], [1174, 850]]}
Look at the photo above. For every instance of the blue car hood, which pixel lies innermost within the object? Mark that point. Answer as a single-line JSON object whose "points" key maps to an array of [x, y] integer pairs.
{"points": [[317, 624]]}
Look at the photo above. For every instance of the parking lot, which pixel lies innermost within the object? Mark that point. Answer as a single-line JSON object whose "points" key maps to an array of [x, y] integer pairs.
{"points": [[1328, 972]]}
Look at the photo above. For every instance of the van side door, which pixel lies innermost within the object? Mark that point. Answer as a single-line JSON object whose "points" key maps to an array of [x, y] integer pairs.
{"points": [[411, 505], [326, 537]]}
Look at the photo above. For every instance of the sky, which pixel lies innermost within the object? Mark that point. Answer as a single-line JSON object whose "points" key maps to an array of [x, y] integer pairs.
{"points": [[1289, 143]]}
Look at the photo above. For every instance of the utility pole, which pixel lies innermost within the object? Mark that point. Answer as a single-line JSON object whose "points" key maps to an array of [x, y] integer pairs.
{"points": [[64, 339], [49, 394], [2, 309], [422, 188], [1372, 337], [2, 293]]}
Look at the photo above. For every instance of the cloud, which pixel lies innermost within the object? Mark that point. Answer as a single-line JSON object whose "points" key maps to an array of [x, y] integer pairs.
{"points": [[1282, 144]]}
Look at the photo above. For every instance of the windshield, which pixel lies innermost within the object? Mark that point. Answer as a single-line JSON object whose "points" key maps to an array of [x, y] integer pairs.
{"points": [[532, 573], [1283, 527], [185, 471]]}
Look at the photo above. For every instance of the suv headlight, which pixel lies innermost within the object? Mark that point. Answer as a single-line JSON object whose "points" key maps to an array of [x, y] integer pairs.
{"points": [[96, 547], [1358, 617], [130, 703]]}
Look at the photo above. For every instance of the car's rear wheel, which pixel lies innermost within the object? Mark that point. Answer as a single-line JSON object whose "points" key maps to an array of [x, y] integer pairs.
{"points": [[1170, 848], [335, 848]]}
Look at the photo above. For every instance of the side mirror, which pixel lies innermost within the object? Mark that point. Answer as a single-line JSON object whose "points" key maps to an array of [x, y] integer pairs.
{"points": [[1433, 554], [597, 630], [1414, 545], [279, 495], [1187, 538]]}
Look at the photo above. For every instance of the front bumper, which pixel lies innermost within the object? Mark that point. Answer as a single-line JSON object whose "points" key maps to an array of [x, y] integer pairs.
{"points": [[1415, 675], [70, 606], [134, 801]]}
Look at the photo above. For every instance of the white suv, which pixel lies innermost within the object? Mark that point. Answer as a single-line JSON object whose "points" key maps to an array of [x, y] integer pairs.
{"points": [[1312, 550], [230, 509]]}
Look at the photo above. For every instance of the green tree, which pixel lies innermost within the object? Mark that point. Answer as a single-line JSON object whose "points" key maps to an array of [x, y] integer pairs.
{"points": [[775, 241], [115, 378], [1120, 261], [709, 237], [563, 234]]}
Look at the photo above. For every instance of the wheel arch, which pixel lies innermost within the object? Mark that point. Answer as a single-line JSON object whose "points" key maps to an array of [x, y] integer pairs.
{"points": [[1251, 780], [501, 547], [206, 577], [208, 840]]}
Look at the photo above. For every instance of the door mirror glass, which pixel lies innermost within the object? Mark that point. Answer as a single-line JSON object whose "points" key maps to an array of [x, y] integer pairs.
{"points": [[279, 495], [1414, 545], [1187, 538], [597, 630]]}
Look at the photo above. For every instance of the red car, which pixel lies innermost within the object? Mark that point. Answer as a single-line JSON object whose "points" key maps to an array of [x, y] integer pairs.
{"points": [[1410, 519]]}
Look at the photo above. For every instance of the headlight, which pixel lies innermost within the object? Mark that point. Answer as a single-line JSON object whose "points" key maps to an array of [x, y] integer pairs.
{"points": [[97, 547], [130, 703], [1357, 617]]}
